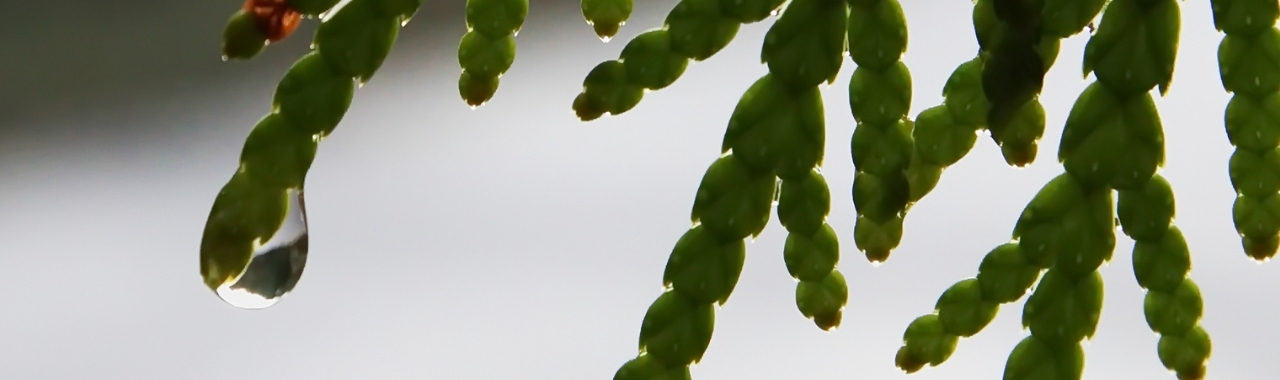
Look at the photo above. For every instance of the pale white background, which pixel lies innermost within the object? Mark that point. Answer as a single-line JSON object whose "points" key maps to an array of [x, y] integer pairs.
{"points": [[513, 241]]}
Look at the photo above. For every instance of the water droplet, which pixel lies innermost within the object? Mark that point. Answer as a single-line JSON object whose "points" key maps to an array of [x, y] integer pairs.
{"points": [[606, 39], [226, 58], [276, 265], [404, 21], [775, 12]]}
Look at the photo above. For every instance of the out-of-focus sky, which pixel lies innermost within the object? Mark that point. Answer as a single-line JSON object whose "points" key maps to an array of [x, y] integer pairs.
{"points": [[513, 241]]}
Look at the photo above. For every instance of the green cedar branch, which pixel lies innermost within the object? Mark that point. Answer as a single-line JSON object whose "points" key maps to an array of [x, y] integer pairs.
{"points": [[776, 131]]}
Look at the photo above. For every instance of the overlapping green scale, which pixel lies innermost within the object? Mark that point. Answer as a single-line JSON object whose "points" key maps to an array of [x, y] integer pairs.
{"points": [[776, 128], [308, 104], [488, 49], [241, 37], [693, 30], [1249, 66], [1035, 359], [357, 39], [945, 133]]}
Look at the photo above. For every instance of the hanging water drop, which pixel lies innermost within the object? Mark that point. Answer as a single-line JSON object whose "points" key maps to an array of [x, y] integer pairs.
{"points": [[606, 39], [275, 265]]}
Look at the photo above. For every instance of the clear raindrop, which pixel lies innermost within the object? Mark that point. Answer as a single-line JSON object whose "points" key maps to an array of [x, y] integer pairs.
{"points": [[276, 265]]}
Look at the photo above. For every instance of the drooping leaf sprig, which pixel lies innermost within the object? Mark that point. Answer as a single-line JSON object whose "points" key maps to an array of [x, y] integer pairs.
{"points": [[309, 103], [1009, 68], [1113, 141], [693, 30], [1249, 66], [776, 132], [881, 145]]}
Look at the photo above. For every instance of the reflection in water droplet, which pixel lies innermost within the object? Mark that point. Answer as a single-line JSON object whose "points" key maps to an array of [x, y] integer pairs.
{"points": [[606, 39], [276, 265]]}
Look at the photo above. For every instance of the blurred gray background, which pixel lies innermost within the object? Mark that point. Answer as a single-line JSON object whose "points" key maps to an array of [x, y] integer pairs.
{"points": [[513, 241]]}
